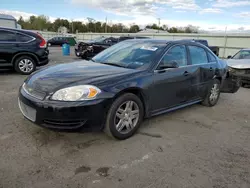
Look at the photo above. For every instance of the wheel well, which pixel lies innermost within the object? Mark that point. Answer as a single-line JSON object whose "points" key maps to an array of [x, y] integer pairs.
{"points": [[33, 56], [219, 78], [137, 92]]}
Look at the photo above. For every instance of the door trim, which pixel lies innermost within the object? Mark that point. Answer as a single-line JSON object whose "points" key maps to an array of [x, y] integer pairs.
{"points": [[165, 110]]}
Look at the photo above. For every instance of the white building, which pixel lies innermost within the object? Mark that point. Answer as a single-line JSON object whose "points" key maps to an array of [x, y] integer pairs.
{"points": [[62, 30], [7, 21]]}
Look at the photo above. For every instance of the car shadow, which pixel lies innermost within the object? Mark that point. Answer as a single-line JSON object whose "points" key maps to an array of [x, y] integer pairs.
{"points": [[246, 86], [4, 72]]}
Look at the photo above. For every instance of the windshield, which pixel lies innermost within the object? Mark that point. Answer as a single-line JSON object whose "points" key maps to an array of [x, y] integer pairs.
{"points": [[99, 39], [130, 54], [243, 54]]}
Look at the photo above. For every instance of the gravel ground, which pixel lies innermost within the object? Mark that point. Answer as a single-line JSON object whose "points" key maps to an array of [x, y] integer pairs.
{"points": [[193, 147]]}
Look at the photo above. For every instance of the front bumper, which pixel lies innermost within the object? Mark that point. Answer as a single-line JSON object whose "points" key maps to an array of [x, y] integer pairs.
{"points": [[230, 84], [245, 78], [63, 115]]}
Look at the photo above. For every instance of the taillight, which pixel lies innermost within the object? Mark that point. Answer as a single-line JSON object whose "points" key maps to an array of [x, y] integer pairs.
{"points": [[43, 42]]}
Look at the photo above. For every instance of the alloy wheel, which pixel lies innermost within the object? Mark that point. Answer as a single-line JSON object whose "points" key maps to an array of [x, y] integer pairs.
{"points": [[26, 65], [127, 117], [214, 93]]}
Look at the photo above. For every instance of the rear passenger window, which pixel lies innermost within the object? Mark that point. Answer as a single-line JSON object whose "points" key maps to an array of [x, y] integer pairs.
{"points": [[198, 55], [6, 36], [23, 38], [211, 57]]}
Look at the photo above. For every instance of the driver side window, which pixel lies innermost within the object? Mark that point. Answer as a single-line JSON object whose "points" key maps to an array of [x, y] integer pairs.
{"points": [[176, 54]]}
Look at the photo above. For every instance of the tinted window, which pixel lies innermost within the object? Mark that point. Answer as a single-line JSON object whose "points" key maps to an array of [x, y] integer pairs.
{"points": [[7, 36], [23, 38], [177, 54], [211, 57], [198, 55]]}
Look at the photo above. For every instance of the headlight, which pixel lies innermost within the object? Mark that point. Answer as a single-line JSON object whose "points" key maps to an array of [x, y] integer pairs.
{"points": [[76, 93], [231, 70]]}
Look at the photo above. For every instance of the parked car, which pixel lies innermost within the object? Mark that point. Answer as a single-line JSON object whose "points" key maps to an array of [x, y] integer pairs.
{"points": [[59, 41], [87, 50], [122, 85], [22, 50], [240, 65], [214, 49]]}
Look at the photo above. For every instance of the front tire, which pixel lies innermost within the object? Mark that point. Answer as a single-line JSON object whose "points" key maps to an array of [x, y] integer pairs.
{"points": [[124, 116], [25, 65], [213, 94]]}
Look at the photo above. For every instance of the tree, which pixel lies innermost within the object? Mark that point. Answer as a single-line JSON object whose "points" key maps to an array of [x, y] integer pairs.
{"points": [[42, 23], [134, 29]]}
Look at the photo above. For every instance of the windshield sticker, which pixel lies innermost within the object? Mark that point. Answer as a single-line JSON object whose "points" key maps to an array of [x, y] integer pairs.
{"points": [[148, 48]]}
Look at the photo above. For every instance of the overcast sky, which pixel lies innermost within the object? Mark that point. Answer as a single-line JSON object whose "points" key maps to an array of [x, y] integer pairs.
{"points": [[207, 14]]}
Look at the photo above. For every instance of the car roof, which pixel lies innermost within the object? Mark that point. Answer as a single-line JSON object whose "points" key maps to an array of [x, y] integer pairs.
{"points": [[246, 49], [162, 41]]}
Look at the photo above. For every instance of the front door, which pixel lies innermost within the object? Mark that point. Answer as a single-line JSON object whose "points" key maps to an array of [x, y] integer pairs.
{"points": [[173, 86]]}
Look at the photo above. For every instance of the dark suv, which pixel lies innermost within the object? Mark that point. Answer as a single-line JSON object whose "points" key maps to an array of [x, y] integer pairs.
{"points": [[23, 50]]}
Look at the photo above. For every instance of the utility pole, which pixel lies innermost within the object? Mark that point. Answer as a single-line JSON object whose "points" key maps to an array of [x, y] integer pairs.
{"points": [[225, 42], [106, 25], [159, 24], [90, 20], [72, 25]]}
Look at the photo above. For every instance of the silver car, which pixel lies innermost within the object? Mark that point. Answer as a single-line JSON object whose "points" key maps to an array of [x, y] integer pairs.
{"points": [[239, 65]]}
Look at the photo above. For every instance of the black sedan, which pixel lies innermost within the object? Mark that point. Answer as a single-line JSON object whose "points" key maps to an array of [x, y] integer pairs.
{"points": [[59, 41], [89, 49], [124, 84]]}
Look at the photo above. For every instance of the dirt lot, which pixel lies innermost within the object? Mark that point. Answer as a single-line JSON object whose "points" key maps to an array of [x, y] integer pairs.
{"points": [[193, 147]]}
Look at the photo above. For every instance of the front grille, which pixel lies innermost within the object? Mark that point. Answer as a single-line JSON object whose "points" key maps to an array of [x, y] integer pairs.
{"points": [[239, 71], [27, 111], [33, 92], [66, 124]]}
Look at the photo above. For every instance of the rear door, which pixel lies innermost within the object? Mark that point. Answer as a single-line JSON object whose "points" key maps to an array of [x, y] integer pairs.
{"points": [[8, 46], [203, 69]]}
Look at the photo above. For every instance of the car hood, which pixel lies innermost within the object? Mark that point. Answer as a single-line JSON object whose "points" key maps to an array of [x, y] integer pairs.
{"points": [[82, 72], [239, 63]]}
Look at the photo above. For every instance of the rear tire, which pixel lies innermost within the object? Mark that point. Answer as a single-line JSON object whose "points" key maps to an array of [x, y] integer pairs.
{"points": [[213, 94], [25, 65], [124, 117], [243, 85]]}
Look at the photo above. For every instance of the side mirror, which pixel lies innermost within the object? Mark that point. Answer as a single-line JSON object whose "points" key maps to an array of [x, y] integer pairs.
{"points": [[171, 64], [229, 57]]}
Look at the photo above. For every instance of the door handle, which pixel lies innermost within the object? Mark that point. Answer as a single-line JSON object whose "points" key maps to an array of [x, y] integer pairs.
{"points": [[17, 45], [186, 73], [160, 71], [210, 69]]}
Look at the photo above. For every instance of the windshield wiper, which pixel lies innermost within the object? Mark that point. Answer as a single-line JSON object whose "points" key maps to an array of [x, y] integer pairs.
{"points": [[114, 64]]}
